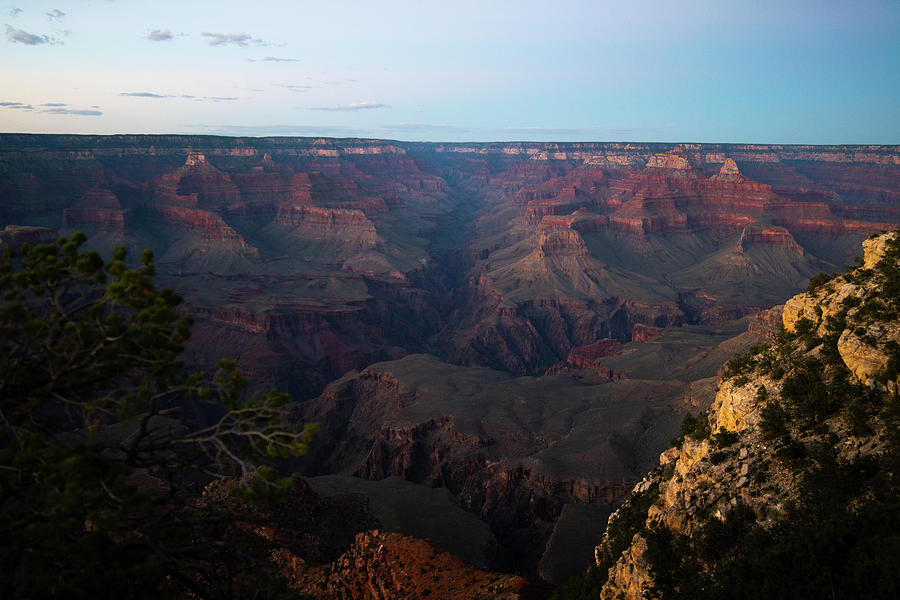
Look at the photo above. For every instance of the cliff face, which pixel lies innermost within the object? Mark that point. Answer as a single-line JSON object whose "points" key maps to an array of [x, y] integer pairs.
{"points": [[513, 451], [303, 258], [341, 225], [512, 255], [601, 249], [804, 439]]}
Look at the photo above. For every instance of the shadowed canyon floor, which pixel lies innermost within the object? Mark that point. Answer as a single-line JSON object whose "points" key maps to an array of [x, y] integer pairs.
{"points": [[522, 324]]}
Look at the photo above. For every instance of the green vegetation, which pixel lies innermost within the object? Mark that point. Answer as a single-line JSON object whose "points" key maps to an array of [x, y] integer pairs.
{"points": [[695, 427], [888, 270], [841, 538], [818, 281], [837, 556], [724, 438], [101, 466], [892, 368], [743, 364], [885, 274]]}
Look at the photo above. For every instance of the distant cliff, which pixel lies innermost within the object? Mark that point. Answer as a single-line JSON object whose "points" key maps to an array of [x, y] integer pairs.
{"points": [[790, 486], [509, 255]]}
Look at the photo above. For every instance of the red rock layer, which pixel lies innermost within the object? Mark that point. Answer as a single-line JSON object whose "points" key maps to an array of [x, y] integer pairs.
{"points": [[98, 212], [313, 223], [561, 242], [535, 334], [382, 566], [585, 361], [761, 234], [210, 227]]}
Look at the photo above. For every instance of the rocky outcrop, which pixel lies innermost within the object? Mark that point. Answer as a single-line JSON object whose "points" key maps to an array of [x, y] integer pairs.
{"points": [[761, 234], [342, 225], [864, 348], [13, 236], [674, 160], [207, 225], [380, 566], [561, 242], [729, 172], [97, 213], [752, 471], [767, 323], [631, 576], [587, 357], [875, 248]]}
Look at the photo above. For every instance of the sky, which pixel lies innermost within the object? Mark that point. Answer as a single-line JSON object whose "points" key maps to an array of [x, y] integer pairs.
{"points": [[760, 71]]}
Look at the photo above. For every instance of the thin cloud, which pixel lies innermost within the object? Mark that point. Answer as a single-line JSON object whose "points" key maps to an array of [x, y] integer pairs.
{"points": [[160, 35], [53, 108], [145, 95], [154, 95], [238, 39], [55, 14], [301, 89], [15, 11], [352, 107], [73, 111], [279, 130], [21, 36], [273, 59]]}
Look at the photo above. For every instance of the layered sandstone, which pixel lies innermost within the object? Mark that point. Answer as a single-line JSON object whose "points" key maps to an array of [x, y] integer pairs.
{"points": [[98, 212], [313, 223]]}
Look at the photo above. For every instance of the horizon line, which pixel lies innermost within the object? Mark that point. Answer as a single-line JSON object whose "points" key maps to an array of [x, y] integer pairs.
{"points": [[456, 142]]}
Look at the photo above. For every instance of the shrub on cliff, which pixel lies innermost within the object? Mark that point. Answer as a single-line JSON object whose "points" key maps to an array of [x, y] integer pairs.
{"points": [[101, 467]]}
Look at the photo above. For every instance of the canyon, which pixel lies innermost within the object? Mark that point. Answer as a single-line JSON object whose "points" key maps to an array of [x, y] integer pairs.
{"points": [[521, 324]]}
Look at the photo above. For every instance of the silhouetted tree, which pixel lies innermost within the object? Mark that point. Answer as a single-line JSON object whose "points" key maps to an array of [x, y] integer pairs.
{"points": [[101, 470]]}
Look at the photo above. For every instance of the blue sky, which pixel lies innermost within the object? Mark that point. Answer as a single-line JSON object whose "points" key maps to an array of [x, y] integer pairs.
{"points": [[801, 71]]}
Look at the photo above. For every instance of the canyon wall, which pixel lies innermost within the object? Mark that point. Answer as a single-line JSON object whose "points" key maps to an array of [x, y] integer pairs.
{"points": [[587, 293]]}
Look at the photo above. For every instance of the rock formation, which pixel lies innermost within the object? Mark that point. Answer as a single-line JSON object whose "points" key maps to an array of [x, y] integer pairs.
{"points": [[13, 236], [792, 424], [381, 565], [522, 252]]}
